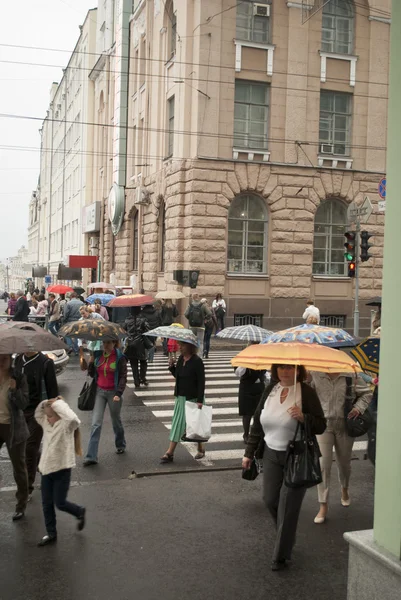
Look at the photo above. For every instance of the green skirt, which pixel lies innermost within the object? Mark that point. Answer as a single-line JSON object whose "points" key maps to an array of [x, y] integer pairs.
{"points": [[179, 424]]}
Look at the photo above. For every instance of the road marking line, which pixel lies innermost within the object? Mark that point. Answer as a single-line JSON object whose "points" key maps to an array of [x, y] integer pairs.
{"points": [[215, 425], [152, 393], [165, 414], [210, 402]]}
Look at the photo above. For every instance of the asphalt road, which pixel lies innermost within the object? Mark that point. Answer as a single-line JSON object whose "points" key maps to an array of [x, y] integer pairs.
{"points": [[177, 536]]}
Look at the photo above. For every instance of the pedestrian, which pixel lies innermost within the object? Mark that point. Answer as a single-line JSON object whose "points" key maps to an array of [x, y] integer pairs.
{"points": [[189, 373], [136, 349], [62, 302], [43, 306], [333, 390], [251, 387], [61, 442], [152, 314], [54, 316], [312, 320], [33, 309], [282, 405], [70, 314], [311, 311], [168, 315], [109, 369], [14, 397], [21, 308], [88, 312], [219, 308], [42, 384], [101, 310], [173, 348], [12, 304], [210, 323], [196, 314]]}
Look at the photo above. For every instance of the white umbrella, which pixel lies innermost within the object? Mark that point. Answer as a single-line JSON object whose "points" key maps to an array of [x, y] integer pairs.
{"points": [[170, 295]]}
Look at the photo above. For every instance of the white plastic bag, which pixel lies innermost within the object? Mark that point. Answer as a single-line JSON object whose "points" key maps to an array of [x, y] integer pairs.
{"points": [[199, 422]]}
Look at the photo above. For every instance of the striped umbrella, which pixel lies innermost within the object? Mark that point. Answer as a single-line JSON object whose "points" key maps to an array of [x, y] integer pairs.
{"points": [[367, 353], [174, 332], [245, 333], [313, 334]]}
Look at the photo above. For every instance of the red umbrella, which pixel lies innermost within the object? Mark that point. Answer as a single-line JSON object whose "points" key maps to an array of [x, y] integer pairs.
{"points": [[131, 300], [60, 289]]}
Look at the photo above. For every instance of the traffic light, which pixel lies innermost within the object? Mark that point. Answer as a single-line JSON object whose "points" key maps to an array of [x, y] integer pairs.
{"points": [[350, 252], [365, 235]]}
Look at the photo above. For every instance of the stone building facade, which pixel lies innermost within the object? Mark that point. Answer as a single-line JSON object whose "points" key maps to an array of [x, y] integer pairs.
{"points": [[249, 134]]}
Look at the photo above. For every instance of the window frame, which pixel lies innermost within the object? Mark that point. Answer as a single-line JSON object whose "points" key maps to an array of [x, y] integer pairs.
{"points": [[334, 45], [245, 238], [162, 238], [135, 241], [331, 115], [170, 126], [247, 142], [328, 236], [251, 31]]}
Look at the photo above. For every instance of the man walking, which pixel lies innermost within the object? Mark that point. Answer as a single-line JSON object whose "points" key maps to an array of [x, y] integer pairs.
{"points": [[54, 315], [311, 311], [71, 314], [196, 314], [21, 308]]}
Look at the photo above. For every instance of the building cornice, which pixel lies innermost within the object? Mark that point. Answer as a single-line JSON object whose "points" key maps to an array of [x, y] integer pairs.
{"points": [[380, 20], [98, 68]]}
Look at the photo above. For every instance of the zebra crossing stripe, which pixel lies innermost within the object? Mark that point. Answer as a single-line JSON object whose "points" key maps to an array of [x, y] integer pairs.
{"points": [[210, 401]]}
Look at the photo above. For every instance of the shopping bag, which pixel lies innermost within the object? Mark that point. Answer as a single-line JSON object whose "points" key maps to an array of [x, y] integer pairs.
{"points": [[199, 422], [86, 399]]}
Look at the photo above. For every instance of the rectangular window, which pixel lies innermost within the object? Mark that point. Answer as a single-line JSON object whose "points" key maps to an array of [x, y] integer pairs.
{"points": [[173, 34], [251, 115], [335, 123], [135, 242], [333, 320], [248, 320], [170, 116], [253, 21]]}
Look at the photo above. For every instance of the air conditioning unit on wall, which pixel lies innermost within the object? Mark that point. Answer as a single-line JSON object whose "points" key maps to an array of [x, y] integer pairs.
{"points": [[326, 148], [261, 10], [142, 195]]}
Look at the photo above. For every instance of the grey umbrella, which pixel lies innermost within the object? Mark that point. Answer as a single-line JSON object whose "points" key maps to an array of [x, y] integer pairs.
{"points": [[17, 337]]}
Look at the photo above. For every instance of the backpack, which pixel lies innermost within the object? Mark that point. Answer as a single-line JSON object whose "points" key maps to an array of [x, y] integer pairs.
{"points": [[195, 315]]}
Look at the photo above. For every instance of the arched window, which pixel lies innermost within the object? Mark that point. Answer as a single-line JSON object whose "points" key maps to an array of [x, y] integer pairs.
{"points": [[135, 245], [328, 243], [247, 235], [162, 238], [338, 26]]}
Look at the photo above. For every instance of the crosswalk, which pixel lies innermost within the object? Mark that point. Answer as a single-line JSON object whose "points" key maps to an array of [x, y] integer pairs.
{"points": [[226, 446]]}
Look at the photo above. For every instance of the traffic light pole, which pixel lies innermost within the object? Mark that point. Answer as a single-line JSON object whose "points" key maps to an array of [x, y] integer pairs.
{"points": [[357, 260]]}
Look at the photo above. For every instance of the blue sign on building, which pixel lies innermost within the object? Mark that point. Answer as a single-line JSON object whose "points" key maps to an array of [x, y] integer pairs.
{"points": [[48, 279], [382, 188]]}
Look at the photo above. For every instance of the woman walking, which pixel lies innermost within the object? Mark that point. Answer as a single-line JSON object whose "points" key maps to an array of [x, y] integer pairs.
{"points": [[210, 323], [109, 369], [43, 306], [101, 310], [168, 314], [14, 397], [61, 441], [282, 405], [136, 351], [251, 387], [333, 390], [219, 309], [12, 304], [189, 373]]}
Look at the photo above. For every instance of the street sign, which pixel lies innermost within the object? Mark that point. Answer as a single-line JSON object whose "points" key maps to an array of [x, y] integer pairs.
{"points": [[352, 212], [382, 188], [382, 206], [365, 210], [48, 279]]}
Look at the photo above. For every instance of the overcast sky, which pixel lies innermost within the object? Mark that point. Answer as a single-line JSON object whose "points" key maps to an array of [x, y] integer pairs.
{"points": [[25, 91]]}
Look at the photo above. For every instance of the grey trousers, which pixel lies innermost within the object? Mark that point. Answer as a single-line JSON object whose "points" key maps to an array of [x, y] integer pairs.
{"points": [[283, 503]]}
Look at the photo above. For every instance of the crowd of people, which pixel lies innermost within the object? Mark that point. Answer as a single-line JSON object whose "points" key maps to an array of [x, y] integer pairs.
{"points": [[271, 405]]}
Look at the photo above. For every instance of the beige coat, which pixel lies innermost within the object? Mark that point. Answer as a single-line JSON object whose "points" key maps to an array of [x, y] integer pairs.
{"points": [[332, 393]]}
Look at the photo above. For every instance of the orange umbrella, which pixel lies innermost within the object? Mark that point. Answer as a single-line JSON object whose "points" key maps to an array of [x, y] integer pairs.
{"points": [[130, 300], [313, 357]]}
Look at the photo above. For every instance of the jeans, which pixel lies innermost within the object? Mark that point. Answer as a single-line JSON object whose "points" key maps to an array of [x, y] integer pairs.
{"points": [[32, 448], [139, 373], [165, 349], [54, 326], [55, 488], [17, 457], [151, 353], [72, 343], [206, 341], [199, 333], [103, 398]]}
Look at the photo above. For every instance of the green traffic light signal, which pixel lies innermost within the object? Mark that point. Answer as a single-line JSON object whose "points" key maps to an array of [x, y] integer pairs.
{"points": [[350, 246]]}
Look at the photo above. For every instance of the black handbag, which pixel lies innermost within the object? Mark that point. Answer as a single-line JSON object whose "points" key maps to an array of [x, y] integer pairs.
{"points": [[302, 465], [147, 342], [251, 473], [361, 424], [87, 396]]}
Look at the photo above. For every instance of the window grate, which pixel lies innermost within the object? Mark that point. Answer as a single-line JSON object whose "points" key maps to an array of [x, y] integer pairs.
{"points": [[333, 320], [240, 319]]}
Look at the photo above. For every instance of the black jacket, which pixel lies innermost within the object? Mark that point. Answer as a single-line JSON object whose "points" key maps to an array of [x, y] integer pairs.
{"points": [[152, 316], [189, 379], [168, 314], [310, 406], [136, 326], [17, 401], [38, 371], [251, 388], [21, 310]]}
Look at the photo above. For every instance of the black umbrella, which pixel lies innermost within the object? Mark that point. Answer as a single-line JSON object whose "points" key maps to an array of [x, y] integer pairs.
{"points": [[78, 290], [17, 337], [376, 301]]}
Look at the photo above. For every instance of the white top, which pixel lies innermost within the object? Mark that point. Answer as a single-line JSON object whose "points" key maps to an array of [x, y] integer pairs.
{"points": [[217, 303], [58, 440], [278, 426], [312, 311]]}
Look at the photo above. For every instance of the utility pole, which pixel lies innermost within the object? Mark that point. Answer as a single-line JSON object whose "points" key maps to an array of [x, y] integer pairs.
{"points": [[356, 302], [8, 275]]}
